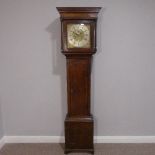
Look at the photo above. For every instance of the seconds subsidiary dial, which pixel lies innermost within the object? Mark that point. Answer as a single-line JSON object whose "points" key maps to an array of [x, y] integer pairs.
{"points": [[78, 36]]}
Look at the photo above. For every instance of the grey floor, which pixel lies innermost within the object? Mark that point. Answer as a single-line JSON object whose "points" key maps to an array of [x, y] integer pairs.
{"points": [[57, 149]]}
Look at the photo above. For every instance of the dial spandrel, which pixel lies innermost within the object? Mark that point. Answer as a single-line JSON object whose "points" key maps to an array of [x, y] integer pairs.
{"points": [[78, 36]]}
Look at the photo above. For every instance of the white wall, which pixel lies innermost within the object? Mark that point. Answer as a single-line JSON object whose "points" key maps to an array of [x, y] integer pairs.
{"points": [[33, 78]]}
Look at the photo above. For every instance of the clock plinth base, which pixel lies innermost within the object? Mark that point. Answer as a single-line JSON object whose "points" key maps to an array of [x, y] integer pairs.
{"points": [[79, 134]]}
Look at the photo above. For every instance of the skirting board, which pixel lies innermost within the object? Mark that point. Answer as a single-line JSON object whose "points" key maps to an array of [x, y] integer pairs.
{"points": [[60, 139]]}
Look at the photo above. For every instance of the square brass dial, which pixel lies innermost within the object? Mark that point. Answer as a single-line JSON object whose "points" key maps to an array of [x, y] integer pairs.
{"points": [[78, 35]]}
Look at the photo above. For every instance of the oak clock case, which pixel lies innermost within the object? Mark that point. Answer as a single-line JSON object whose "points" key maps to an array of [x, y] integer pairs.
{"points": [[78, 44]]}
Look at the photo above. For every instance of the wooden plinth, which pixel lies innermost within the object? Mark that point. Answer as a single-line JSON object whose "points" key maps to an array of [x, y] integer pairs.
{"points": [[79, 134]]}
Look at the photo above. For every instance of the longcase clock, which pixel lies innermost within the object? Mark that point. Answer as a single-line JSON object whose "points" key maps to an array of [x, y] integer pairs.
{"points": [[78, 44]]}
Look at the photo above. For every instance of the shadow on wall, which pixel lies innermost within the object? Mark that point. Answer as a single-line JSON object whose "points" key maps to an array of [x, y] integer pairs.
{"points": [[98, 52], [58, 62]]}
